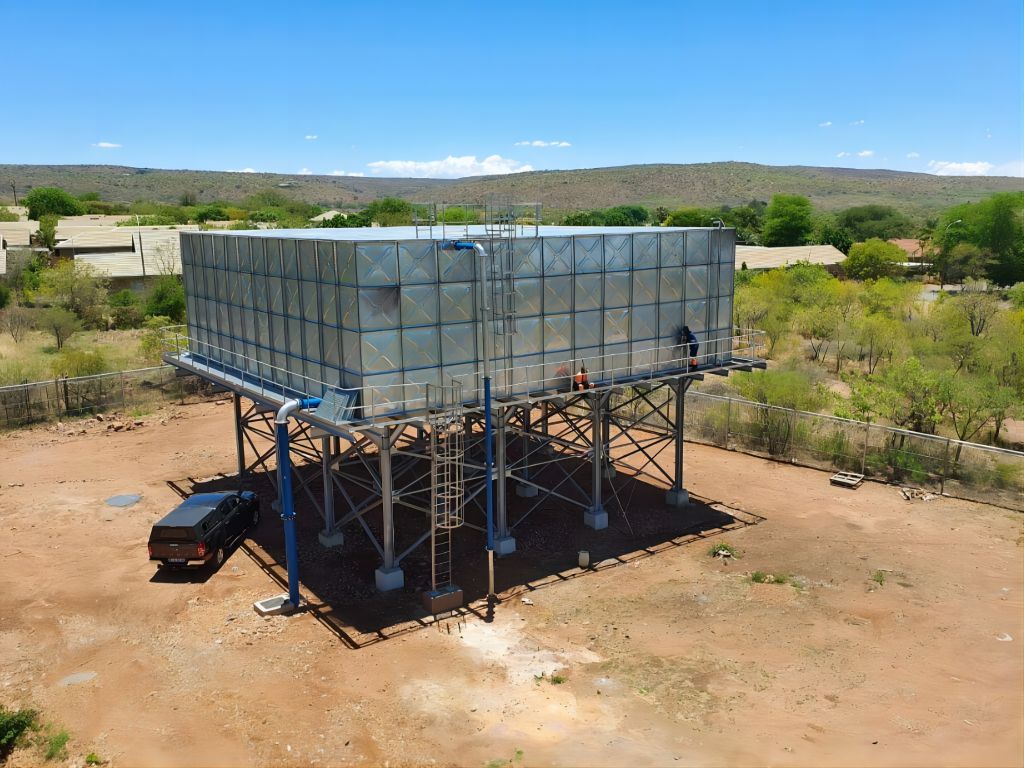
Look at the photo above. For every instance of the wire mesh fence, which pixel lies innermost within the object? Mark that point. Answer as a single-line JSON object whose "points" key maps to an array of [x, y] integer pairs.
{"points": [[38, 401], [930, 462]]}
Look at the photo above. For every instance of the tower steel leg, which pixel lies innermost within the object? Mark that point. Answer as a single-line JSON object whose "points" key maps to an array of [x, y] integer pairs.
{"points": [[677, 496], [525, 490], [389, 576], [328, 536], [595, 516], [504, 543], [239, 439]]}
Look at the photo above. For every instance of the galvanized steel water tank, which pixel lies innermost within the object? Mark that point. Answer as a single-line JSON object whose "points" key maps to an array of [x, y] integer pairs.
{"points": [[316, 309]]}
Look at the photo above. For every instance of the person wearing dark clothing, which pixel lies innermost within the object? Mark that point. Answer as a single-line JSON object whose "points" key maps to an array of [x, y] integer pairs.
{"points": [[690, 338], [581, 382]]}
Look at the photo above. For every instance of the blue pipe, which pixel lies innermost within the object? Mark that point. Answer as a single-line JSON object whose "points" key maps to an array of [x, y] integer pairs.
{"points": [[285, 499]]}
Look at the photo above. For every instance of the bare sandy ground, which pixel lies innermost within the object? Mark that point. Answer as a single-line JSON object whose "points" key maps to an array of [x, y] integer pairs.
{"points": [[673, 659]]}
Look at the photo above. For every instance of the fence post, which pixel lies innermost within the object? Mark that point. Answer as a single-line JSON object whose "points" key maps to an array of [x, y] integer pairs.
{"points": [[67, 398], [728, 422], [945, 468], [864, 449]]}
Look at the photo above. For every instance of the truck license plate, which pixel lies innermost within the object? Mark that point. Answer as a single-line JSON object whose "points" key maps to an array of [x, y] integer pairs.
{"points": [[176, 560]]}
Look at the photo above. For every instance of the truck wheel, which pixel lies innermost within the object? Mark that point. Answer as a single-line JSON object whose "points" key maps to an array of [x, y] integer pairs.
{"points": [[219, 556]]}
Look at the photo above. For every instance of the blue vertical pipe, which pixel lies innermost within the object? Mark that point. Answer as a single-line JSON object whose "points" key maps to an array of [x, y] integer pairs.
{"points": [[285, 498], [287, 507]]}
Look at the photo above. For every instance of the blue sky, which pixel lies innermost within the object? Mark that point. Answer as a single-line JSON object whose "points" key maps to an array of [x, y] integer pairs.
{"points": [[451, 89]]}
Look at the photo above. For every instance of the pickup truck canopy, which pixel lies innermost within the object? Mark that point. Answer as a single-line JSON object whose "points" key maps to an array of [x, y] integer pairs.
{"points": [[193, 509]]}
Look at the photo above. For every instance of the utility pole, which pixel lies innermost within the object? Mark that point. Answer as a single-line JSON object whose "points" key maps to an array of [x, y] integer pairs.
{"points": [[14, 189]]}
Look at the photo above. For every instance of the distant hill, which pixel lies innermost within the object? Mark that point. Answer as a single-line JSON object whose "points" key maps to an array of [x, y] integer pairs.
{"points": [[701, 184]]}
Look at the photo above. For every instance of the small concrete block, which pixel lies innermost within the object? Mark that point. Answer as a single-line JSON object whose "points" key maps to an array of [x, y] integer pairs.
{"points": [[329, 540], [389, 578], [273, 606], [596, 518], [524, 491], [677, 498], [443, 601], [504, 545]]}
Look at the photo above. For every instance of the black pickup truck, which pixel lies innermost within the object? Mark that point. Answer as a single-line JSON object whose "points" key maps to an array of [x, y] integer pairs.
{"points": [[202, 527]]}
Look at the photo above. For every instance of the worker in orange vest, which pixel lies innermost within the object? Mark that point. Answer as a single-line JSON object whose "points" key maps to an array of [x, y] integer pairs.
{"points": [[580, 380]]}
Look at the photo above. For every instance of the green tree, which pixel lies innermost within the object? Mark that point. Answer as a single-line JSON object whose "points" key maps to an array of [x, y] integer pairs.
{"points": [[660, 214], [977, 307], [45, 201], [1016, 295], [691, 217], [873, 259], [579, 219], [78, 288], [626, 216], [827, 231], [865, 222], [783, 387], [787, 221], [61, 323], [167, 298], [908, 396], [5, 295], [968, 403], [47, 233], [126, 309], [390, 211], [995, 225], [878, 337]]}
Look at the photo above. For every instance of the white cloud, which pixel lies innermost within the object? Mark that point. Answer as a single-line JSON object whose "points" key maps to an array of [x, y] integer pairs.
{"points": [[1014, 168], [866, 153], [842, 154], [857, 122], [947, 168], [311, 137], [305, 172], [241, 170], [450, 168], [539, 143], [826, 124], [106, 145], [347, 173], [913, 155]]}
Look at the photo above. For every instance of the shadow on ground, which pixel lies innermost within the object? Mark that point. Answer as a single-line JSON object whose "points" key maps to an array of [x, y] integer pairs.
{"points": [[338, 584]]}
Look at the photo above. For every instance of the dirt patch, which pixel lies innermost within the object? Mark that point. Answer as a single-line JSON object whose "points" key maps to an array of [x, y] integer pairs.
{"points": [[670, 658]]}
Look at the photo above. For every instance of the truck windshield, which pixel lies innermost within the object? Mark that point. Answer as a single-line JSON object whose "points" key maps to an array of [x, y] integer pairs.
{"points": [[173, 534]]}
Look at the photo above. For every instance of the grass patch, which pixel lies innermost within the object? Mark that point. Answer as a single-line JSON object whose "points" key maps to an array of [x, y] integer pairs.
{"points": [[93, 759], [557, 679], [56, 745], [13, 725], [722, 547], [879, 578], [760, 577]]}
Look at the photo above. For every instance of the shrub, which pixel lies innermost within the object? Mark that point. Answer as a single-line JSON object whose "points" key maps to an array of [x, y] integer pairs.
{"points": [[8, 215], [151, 347], [13, 724], [56, 745], [79, 362], [44, 201], [167, 299], [5, 295], [126, 309]]}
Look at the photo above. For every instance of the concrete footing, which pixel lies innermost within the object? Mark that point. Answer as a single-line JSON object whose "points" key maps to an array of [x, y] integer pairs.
{"points": [[442, 601], [273, 606], [329, 540], [388, 579], [524, 491], [504, 545], [677, 497], [596, 518]]}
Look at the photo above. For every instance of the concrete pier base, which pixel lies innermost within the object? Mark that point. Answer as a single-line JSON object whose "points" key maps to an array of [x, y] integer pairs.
{"points": [[596, 518], [677, 498], [388, 579]]}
